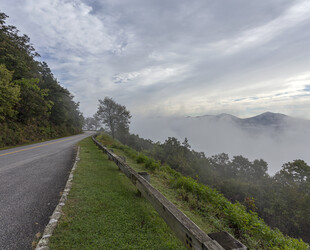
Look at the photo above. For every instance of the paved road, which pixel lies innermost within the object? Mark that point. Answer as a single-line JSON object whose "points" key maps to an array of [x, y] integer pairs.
{"points": [[31, 179]]}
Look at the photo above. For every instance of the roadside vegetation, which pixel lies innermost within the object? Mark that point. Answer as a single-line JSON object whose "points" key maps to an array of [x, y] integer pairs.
{"points": [[282, 200], [103, 210], [209, 209], [33, 105]]}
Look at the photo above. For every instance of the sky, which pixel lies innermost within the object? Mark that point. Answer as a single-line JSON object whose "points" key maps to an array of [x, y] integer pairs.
{"points": [[176, 57]]}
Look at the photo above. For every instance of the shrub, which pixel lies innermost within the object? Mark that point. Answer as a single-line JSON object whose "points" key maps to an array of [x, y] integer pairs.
{"points": [[141, 158]]}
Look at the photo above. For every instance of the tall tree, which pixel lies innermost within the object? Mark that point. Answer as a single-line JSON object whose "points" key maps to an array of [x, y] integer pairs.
{"points": [[9, 94], [115, 116], [91, 123], [33, 105], [296, 172], [17, 53]]}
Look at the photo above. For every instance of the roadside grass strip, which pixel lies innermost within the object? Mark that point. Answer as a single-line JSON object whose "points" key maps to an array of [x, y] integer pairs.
{"points": [[103, 210]]}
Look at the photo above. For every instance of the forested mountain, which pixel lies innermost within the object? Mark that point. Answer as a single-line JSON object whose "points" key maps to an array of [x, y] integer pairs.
{"points": [[267, 119], [33, 105], [259, 123]]}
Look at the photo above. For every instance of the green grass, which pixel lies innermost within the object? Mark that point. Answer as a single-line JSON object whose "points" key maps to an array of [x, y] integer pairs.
{"points": [[103, 210], [209, 209], [161, 181]]}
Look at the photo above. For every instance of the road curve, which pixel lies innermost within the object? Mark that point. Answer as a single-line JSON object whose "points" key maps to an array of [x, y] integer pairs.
{"points": [[31, 179]]}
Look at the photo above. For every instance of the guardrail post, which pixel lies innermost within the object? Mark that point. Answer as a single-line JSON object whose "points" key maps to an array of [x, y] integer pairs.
{"points": [[227, 241], [123, 158], [145, 175]]}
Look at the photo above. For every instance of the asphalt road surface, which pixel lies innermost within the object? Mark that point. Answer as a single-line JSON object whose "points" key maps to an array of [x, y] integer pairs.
{"points": [[31, 180]]}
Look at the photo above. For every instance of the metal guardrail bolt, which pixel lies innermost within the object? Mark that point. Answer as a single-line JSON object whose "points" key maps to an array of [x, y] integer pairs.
{"points": [[189, 241]]}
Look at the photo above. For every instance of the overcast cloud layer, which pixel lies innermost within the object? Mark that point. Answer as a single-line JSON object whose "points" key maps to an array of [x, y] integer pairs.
{"points": [[175, 57]]}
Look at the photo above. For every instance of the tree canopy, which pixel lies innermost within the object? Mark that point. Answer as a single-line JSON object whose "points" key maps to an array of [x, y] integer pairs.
{"points": [[92, 123], [114, 116], [9, 94], [33, 105]]}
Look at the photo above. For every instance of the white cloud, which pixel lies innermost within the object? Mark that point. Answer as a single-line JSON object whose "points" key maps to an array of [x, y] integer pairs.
{"points": [[258, 36], [67, 25], [244, 100], [168, 57], [151, 75]]}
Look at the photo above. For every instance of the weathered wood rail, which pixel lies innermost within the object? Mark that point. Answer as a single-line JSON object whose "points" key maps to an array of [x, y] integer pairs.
{"points": [[185, 229]]}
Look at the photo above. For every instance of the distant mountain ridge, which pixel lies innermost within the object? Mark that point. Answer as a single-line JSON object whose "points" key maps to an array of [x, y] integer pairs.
{"points": [[267, 119], [274, 137]]}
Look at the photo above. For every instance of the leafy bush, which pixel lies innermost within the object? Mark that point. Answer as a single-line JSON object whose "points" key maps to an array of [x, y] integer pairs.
{"points": [[152, 164], [141, 158]]}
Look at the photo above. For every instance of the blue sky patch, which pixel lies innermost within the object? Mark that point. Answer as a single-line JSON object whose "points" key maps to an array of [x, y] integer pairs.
{"points": [[307, 88]]}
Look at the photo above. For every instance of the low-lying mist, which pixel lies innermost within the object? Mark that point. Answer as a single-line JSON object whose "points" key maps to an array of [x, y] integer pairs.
{"points": [[274, 138]]}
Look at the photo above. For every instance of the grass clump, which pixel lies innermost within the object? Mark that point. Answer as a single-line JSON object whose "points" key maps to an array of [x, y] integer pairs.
{"points": [[103, 210]]}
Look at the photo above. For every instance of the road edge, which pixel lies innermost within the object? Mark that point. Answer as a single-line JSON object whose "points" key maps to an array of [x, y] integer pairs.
{"points": [[49, 229]]}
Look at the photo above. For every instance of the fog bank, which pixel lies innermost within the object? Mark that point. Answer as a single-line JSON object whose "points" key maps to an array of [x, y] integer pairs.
{"points": [[274, 138]]}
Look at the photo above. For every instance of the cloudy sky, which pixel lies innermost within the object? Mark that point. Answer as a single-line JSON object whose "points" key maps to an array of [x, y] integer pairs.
{"points": [[175, 57]]}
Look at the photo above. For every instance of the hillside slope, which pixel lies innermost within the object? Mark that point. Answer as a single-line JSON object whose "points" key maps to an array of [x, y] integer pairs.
{"points": [[205, 206]]}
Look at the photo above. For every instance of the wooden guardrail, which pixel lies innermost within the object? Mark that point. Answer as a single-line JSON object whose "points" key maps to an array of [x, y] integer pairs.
{"points": [[185, 229]]}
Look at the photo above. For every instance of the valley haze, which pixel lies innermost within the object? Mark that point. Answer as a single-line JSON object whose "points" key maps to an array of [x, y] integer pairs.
{"points": [[273, 137]]}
